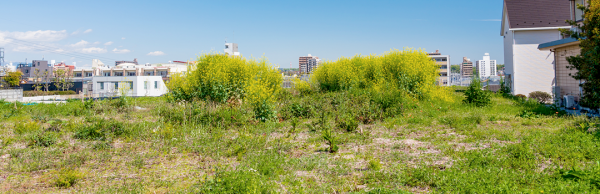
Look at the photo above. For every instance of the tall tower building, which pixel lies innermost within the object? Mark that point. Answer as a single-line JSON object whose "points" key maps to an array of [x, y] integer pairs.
{"points": [[486, 67], [444, 62]]}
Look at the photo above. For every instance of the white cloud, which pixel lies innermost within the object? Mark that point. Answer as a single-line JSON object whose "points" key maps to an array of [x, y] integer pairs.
{"points": [[121, 51], [93, 50], [156, 53], [97, 42], [123, 38], [80, 43], [108, 43], [40, 35], [87, 31], [75, 33]]}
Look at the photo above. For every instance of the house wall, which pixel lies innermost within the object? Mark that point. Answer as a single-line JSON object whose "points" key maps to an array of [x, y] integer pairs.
{"points": [[568, 85], [508, 51], [532, 69], [138, 86]]}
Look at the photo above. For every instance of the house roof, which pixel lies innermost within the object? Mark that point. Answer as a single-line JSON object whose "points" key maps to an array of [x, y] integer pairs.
{"points": [[558, 43], [537, 13]]}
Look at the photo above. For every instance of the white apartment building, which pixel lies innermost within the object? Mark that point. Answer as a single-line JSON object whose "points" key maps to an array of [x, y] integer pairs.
{"points": [[128, 85], [231, 49], [486, 67], [525, 25]]}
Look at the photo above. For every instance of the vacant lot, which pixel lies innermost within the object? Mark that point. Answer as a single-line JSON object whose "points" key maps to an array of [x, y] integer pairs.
{"points": [[335, 142]]}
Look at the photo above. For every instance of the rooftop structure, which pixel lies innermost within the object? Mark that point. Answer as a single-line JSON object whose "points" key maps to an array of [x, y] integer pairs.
{"points": [[308, 63], [231, 49]]}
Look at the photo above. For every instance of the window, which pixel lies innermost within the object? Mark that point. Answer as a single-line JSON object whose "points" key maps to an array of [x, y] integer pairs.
{"points": [[88, 74], [107, 74], [101, 85], [145, 85], [116, 85], [578, 12], [226, 46], [155, 84], [27, 71], [131, 74], [118, 73], [77, 74], [131, 85]]}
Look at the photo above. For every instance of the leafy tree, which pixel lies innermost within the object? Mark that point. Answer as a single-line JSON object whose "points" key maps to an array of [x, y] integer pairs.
{"points": [[59, 79], [13, 78], [499, 67], [455, 68], [587, 63]]}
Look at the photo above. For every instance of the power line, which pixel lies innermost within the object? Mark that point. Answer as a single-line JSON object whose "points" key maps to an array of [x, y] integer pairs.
{"points": [[53, 50], [76, 55]]}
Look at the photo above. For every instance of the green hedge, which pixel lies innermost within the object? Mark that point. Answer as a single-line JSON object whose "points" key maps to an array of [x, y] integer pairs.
{"points": [[48, 93]]}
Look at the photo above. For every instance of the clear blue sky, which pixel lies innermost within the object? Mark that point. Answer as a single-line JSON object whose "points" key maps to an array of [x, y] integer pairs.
{"points": [[161, 31]]}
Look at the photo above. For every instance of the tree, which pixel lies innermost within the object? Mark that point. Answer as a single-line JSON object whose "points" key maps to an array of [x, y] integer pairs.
{"points": [[587, 63], [36, 80], [455, 68], [46, 77], [13, 78], [59, 79]]}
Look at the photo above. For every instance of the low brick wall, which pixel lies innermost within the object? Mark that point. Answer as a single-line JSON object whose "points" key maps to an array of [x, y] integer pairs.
{"points": [[11, 95]]}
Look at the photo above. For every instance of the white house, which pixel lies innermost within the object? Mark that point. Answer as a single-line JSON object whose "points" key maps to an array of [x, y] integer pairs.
{"points": [[109, 86], [525, 25]]}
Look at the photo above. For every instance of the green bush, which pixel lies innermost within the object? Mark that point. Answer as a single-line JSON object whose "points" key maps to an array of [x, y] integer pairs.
{"points": [[476, 96], [100, 129], [541, 97], [67, 177], [234, 182], [331, 140], [521, 96], [348, 123], [591, 175], [26, 127], [375, 164], [43, 139]]}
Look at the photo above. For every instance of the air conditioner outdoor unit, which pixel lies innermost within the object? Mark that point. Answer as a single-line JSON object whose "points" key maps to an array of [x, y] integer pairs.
{"points": [[569, 101]]}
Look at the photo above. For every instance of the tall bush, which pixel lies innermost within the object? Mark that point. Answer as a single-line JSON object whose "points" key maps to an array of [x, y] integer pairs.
{"points": [[476, 95], [411, 71], [219, 78]]}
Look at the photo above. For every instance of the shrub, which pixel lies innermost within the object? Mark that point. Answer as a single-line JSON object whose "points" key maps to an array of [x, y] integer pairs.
{"points": [[67, 177], [476, 96], [239, 181], [411, 71], [541, 97], [375, 164], [302, 87], [26, 127], [100, 129], [43, 139], [218, 78], [521, 96], [296, 110], [348, 123]]}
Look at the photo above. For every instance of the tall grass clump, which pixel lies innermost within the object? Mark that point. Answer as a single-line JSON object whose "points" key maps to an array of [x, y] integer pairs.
{"points": [[221, 78], [409, 71]]}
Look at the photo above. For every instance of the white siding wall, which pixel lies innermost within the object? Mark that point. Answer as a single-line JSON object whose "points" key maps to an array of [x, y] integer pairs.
{"points": [[138, 85], [508, 50], [533, 70]]}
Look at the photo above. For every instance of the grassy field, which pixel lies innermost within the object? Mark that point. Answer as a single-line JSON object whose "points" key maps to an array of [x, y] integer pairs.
{"points": [[334, 142]]}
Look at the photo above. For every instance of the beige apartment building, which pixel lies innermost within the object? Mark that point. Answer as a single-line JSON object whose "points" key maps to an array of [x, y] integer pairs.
{"points": [[444, 62], [466, 68]]}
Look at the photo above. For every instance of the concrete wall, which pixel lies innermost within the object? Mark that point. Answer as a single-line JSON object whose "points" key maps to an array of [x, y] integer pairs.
{"points": [[11, 95]]}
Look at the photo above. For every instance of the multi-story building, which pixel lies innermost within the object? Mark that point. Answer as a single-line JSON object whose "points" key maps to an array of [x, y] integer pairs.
{"points": [[525, 25], [486, 67], [308, 63], [444, 62], [466, 68], [231, 49], [42, 68]]}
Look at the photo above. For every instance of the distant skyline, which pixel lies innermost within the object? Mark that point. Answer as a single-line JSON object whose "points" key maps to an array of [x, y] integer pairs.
{"points": [[282, 31]]}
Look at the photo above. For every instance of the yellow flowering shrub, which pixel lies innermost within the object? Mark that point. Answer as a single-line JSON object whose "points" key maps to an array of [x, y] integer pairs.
{"points": [[409, 70], [219, 77]]}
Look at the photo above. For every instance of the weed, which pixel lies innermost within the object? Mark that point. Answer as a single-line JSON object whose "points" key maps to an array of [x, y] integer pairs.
{"points": [[44, 139], [100, 129], [348, 123], [476, 95], [26, 127], [332, 141], [375, 164], [239, 181], [67, 177]]}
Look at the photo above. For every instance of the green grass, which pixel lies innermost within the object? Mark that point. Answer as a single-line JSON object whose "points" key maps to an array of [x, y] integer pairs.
{"points": [[383, 146]]}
